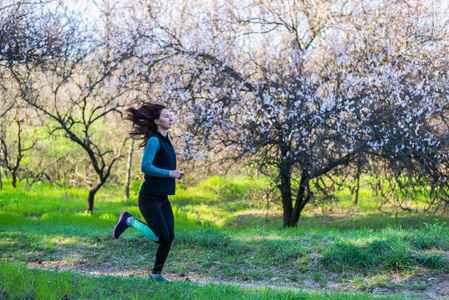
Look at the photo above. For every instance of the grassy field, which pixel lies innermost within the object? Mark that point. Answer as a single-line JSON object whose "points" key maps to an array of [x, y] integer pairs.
{"points": [[227, 246]]}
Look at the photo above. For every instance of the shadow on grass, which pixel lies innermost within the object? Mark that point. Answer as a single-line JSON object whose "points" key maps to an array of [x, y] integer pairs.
{"points": [[320, 222]]}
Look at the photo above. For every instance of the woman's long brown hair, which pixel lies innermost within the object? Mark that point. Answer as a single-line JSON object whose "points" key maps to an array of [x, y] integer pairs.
{"points": [[142, 119]]}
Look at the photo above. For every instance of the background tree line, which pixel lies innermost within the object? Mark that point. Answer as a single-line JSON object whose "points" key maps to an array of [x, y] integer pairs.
{"points": [[312, 93]]}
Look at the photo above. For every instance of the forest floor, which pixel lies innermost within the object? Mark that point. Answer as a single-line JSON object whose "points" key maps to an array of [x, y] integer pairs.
{"points": [[422, 286], [334, 249]]}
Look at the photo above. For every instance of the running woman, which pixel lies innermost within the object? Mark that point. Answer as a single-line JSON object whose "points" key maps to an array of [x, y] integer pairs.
{"points": [[151, 123]]}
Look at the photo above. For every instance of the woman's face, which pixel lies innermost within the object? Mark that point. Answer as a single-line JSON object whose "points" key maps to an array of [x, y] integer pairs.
{"points": [[165, 121]]}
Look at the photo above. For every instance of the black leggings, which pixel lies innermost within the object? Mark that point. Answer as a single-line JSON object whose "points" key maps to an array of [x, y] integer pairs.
{"points": [[158, 215]]}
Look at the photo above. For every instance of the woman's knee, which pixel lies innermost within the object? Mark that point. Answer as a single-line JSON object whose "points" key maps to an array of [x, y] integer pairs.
{"points": [[166, 239]]}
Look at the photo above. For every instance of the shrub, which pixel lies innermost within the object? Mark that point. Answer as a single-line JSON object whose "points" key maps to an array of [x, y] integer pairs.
{"points": [[378, 246], [345, 254], [430, 260], [398, 256]]}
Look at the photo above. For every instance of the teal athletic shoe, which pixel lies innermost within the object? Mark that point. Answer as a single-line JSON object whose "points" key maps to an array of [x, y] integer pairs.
{"points": [[159, 278], [121, 224]]}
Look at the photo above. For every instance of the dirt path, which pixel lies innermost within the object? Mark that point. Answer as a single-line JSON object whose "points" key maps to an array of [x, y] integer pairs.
{"points": [[426, 286]]}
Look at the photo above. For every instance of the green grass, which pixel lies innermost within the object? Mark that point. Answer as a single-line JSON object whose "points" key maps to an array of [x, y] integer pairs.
{"points": [[223, 233], [390, 249], [17, 281]]}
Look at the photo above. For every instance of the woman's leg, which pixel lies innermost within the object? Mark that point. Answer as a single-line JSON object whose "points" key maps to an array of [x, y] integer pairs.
{"points": [[143, 228], [164, 246], [158, 214]]}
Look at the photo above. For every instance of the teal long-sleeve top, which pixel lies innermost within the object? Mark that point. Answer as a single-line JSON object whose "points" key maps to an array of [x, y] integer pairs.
{"points": [[151, 148]]}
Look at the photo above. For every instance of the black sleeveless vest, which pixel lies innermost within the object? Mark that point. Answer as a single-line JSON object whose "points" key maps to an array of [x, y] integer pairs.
{"points": [[165, 158]]}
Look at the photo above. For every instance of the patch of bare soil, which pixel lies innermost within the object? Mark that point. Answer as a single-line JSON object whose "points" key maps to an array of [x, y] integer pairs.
{"points": [[425, 286]]}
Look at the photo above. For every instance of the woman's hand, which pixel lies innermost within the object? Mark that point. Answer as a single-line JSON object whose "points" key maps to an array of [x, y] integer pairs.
{"points": [[177, 174]]}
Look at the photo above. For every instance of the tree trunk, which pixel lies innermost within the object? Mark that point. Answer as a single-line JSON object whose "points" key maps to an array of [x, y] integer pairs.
{"points": [[286, 200], [379, 186], [19, 155], [90, 200], [1, 179], [128, 169], [355, 195], [286, 192], [302, 198], [14, 178]]}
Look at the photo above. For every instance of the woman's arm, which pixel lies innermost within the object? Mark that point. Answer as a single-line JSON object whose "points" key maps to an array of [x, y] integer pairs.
{"points": [[151, 148]]}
